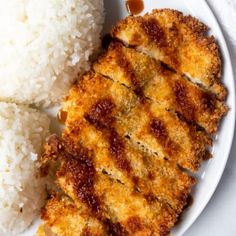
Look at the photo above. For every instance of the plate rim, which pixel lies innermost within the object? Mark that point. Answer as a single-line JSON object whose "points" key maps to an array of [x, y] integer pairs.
{"points": [[224, 47]]}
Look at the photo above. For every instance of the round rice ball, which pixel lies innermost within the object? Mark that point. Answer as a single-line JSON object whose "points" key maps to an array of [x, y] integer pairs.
{"points": [[22, 192], [44, 44]]}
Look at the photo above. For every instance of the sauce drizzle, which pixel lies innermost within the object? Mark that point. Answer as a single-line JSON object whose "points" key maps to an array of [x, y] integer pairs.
{"points": [[134, 7], [100, 116]]}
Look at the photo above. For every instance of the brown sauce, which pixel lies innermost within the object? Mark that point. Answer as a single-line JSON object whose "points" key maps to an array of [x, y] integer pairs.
{"points": [[181, 97], [158, 129], [61, 116], [100, 114], [117, 150], [134, 7], [78, 165], [154, 32], [123, 62]]}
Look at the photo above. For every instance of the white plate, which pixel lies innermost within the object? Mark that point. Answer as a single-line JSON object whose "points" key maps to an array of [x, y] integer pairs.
{"points": [[211, 171]]}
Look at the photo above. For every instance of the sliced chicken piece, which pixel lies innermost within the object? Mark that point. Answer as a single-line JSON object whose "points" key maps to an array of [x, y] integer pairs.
{"points": [[119, 209], [164, 134], [63, 218], [179, 41], [136, 169], [153, 80], [133, 124], [100, 101], [93, 124]]}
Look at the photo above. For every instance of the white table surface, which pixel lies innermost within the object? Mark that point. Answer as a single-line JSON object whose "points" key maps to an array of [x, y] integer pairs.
{"points": [[219, 217]]}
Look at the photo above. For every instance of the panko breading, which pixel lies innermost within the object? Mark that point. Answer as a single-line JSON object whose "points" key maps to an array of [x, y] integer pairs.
{"points": [[133, 124], [143, 74], [163, 133], [177, 40], [63, 218], [120, 159], [145, 122], [120, 209]]}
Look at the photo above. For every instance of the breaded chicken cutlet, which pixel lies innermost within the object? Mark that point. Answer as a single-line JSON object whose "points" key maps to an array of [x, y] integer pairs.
{"points": [[146, 123], [142, 73], [119, 209], [64, 218], [102, 118], [134, 123], [177, 40]]}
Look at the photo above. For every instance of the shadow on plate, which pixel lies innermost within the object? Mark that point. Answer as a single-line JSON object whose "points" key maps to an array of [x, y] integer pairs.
{"points": [[113, 14]]}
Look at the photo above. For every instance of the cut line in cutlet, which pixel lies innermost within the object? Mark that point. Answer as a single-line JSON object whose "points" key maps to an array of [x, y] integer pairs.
{"points": [[179, 41], [145, 122], [150, 78], [118, 157], [119, 209]]}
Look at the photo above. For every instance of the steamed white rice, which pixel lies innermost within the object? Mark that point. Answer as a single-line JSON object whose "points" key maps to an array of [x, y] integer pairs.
{"points": [[44, 44], [22, 193]]}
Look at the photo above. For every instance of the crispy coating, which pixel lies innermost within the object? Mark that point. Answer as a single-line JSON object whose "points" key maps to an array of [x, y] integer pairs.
{"points": [[123, 161], [133, 123], [155, 81], [63, 218], [126, 189], [121, 205], [117, 207], [179, 142], [163, 133], [177, 40]]}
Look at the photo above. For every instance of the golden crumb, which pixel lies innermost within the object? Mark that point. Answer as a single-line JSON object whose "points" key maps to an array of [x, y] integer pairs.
{"points": [[179, 41]]}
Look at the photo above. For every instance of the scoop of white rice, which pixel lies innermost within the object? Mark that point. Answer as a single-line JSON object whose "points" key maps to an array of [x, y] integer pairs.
{"points": [[44, 44], [22, 193]]}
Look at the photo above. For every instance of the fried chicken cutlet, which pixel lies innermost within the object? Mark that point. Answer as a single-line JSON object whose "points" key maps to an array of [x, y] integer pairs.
{"points": [[145, 122], [134, 123], [95, 127], [149, 77], [120, 210], [157, 185], [177, 40], [63, 218]]}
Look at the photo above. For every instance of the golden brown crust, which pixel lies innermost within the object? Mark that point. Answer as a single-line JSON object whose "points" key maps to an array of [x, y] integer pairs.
{"points": [[118, 203], [179, 41], [114, 154], [134, 117], [62, 218], [160, 196], [130, 125], [175, 92], [193, 23], [190, 144]]}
